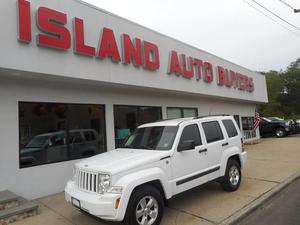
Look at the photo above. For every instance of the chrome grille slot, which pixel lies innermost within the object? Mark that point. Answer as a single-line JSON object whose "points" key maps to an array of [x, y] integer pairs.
{"points": [[86, 180]]}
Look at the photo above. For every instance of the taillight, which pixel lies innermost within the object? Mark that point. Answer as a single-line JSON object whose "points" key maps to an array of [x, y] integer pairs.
{"points": [[243, 149]]}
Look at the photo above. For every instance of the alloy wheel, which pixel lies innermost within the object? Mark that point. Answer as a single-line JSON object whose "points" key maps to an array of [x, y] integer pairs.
{"points": [[147, 211], [234, 175]]}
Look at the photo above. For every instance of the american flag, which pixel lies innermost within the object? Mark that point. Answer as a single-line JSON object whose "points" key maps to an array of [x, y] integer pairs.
{"points": [[256, 120]]}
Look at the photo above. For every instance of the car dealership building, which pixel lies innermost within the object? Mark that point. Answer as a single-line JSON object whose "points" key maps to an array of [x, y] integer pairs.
{"points": [[76, 80]]}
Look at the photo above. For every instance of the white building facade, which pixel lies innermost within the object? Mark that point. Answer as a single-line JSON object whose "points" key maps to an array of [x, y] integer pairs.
{"points": [[76, 80]]}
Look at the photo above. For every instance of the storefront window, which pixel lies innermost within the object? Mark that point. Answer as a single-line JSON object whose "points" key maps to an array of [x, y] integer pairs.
{"points": [[175, 112], [54, 132], [127, 118], [247, 123], [237, 120]]}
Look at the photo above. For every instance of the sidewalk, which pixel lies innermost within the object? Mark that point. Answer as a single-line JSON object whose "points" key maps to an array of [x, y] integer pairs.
{"points": [[270, 163]]}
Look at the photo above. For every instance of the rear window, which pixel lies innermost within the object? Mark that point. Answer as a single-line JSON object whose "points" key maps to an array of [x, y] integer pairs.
{"points": [[230, 128], [212, 131]]}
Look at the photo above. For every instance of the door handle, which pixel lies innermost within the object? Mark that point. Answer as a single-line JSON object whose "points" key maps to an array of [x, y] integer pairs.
{"points": [[203, 150], [224, 144]]}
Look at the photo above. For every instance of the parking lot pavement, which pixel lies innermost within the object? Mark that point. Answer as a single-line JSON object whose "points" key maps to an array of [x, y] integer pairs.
{"points": [[270, 163], [282, 209]]}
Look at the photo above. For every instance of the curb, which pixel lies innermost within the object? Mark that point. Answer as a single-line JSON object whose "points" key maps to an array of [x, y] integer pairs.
{"points": [[242, 213]]}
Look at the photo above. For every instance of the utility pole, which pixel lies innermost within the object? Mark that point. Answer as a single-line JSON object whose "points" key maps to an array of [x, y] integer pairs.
{"points": [[296, 10]]}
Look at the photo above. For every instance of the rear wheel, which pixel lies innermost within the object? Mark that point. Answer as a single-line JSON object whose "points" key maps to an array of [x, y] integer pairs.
{"points": [[280, 132], [145, 207], [232, 178]]}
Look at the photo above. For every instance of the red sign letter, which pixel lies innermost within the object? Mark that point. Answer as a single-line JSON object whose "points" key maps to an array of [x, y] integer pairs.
{"points": [[234, 79], [221, 75], [24, 21], [208, 72], [198, 64], [80, 47], [250, 85], [174, 66], [151, 56], [188, 73], [108, 46], [52, 22], [131, 50]]}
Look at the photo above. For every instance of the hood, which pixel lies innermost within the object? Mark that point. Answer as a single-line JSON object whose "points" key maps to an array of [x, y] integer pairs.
{"points": [[119, 160], [281, 121]]}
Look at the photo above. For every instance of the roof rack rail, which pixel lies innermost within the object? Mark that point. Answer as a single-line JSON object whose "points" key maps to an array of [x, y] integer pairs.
{"points": [[200, 117]]}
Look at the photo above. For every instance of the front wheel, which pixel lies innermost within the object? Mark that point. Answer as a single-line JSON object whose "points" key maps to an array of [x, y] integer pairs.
{"points": [[232, 178], [280, 132], [145, 207]]}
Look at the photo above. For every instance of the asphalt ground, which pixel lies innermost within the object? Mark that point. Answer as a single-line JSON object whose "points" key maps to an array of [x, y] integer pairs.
{"points": [[282, 209]]}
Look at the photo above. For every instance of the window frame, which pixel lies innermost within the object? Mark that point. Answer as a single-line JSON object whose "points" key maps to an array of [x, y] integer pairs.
{"points": [[223, 120], [249, 124], [237, 119], [66, 130], [138, 113], [199, 132], [182, 110], [220, 126]]}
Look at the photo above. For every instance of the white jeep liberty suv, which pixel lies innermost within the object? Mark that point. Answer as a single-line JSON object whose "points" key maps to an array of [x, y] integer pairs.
{"points": [[159, 160]]}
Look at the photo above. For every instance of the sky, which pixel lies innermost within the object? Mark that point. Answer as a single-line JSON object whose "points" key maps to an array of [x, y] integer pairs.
{"points": [[230, 29]]}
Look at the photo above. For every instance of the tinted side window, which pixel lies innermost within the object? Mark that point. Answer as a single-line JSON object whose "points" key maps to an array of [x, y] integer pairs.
{"points": [[89, 136], [230, 128], [75, 137], [191, 132], [212, 131]]}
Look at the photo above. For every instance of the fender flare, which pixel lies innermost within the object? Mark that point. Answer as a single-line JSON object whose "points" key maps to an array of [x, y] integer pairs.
{"points": [[226, 155], [131, 181]]}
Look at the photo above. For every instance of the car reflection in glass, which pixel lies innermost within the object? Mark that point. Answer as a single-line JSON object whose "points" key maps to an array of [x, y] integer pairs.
{"points": [[52, 147]]}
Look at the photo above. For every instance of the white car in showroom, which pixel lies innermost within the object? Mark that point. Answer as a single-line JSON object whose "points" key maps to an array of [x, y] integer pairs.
{"points": [[159, 160]]}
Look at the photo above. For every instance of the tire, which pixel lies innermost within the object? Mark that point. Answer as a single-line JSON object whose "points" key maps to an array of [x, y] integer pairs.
{"points": [[280, 132], [140, 198], [233, 176]]}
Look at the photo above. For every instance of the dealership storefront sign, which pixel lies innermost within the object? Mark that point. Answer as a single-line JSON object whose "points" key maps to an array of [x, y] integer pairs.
{"points": [[140, 53]]}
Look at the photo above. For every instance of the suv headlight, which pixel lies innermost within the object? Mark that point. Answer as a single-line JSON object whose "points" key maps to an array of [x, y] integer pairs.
{"points": [[104, 184]]}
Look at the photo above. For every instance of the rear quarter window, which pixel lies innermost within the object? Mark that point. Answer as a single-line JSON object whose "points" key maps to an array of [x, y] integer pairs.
{"points": [[230, 128], [212, 131]]}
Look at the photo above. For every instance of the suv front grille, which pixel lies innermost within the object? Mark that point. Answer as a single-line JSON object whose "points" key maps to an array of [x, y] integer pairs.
{"points": [[87, 181]]}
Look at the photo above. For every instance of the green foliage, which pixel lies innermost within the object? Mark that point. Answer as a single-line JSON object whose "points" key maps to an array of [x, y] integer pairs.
{"points": [[283, 93]]}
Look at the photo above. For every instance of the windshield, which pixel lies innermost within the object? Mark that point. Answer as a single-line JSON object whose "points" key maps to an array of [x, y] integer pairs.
{"points": [[275, 119], [37, 142], [266, 119], [152, 138]]}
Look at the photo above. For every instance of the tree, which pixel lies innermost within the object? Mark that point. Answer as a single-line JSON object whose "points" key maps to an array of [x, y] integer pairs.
{"points": [[275, 87], [290, 98], [283, 92]]}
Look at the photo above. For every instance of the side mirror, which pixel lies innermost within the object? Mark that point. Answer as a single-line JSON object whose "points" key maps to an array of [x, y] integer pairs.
{"points": [[186, 145]]}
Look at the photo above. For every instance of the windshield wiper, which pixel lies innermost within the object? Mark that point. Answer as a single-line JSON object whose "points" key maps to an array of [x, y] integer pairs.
{"points": [[128, 146], [138, 147], [145, 147]]}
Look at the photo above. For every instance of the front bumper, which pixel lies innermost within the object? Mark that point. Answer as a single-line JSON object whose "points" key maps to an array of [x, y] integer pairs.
{"points": [[102, 206]]}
